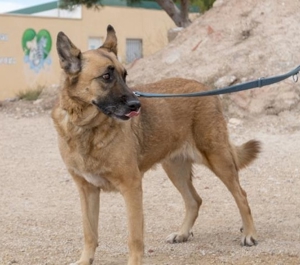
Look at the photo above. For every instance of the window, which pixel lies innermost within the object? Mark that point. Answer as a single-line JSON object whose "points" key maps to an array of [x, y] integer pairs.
{"points": [[94, 43], [134, 49]]}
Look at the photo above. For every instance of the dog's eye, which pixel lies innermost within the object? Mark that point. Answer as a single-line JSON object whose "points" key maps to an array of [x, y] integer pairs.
{"points": [[106, 76]]}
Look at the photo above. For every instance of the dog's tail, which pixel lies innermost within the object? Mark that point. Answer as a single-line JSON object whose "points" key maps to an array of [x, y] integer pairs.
{"points": [[246, 153]]}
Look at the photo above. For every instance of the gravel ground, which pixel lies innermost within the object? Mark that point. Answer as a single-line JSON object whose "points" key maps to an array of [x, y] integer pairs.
{"points": [[40, 220]]}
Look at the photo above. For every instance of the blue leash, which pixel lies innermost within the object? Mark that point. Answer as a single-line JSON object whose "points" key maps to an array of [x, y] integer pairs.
{"points": [[230, 89]]}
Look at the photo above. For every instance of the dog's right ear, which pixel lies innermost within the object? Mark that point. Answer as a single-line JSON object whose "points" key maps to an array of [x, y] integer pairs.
{"points": [[69, 55], [110, 44]]}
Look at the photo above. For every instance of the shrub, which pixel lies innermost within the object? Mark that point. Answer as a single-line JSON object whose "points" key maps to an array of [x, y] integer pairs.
{"points": [[30, 94]]}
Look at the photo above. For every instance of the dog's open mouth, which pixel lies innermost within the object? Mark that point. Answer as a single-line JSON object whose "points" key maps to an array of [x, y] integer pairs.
{"points": [[114, 112], [129, 115], [133, 113]]}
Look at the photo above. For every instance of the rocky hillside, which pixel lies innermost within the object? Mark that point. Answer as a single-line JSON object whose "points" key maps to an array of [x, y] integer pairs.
{"points": [[235, 41]]}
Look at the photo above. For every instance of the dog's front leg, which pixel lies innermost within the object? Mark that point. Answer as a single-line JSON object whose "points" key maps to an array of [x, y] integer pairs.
{"points": [[133, 196], [90, 199]]}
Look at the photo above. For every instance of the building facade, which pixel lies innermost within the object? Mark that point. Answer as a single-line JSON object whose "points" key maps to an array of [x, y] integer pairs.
{"points": [[28, 57]]}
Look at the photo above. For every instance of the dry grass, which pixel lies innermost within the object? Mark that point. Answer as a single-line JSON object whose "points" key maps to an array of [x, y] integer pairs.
{"points": [[30, 94]]}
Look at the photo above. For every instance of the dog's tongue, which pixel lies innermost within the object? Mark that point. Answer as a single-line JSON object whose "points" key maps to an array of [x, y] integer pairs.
{"points": [[133, 114]]}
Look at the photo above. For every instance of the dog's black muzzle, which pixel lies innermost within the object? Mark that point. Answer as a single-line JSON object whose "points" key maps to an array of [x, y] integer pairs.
{"points": [[124, 107]]}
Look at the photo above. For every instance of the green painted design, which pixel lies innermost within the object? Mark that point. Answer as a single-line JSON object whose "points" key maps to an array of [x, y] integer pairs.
{"points": [[46, 35], [28, 35], [37, 47], [43, 40]]}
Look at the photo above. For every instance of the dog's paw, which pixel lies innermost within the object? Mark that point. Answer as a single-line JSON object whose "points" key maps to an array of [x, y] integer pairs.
{"points": [[178, 238], [248, 241]]}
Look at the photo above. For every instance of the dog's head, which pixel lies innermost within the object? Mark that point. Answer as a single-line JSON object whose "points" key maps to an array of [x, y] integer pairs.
{"points": [[97, 77]]}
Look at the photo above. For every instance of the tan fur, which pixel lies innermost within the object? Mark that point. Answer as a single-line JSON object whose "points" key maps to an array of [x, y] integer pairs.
{"points": [[104, 153]]}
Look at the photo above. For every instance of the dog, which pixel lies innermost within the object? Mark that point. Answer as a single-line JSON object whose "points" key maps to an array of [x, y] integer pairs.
{"points": [[108, 138]]}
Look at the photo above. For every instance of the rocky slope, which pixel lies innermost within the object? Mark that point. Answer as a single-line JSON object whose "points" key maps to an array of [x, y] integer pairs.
{"points": [[235, 41]]}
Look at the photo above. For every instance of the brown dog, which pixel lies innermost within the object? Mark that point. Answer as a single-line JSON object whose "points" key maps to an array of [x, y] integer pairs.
{"points": [[108, 139]]}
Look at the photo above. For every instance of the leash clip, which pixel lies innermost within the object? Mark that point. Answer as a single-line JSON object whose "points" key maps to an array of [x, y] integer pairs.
{"points": [[259, 82], [136, 93]]}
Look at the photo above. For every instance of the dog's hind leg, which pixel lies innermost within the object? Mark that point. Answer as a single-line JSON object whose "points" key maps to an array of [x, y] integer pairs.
{"points": [[221, 162], [90, 200], [179, 170]]}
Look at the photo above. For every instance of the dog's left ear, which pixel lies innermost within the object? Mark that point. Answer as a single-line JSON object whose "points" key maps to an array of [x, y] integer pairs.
{"points": [[111, 41], [69, 55]]}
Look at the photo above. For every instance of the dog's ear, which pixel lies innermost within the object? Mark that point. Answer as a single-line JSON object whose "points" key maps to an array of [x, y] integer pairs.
{"points": [[69, 55], [111, 41]]}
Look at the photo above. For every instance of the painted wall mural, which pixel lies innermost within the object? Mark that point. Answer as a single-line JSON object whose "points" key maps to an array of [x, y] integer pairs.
{"points": [[3, 37], [6, 59], [37, 47]]}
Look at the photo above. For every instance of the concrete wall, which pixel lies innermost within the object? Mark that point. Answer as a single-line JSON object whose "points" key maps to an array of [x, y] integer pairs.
{"points": [[28, 56]]}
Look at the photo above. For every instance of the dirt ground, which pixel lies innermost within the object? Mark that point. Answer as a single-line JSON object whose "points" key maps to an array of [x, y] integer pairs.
{"points": [[40, 220]]}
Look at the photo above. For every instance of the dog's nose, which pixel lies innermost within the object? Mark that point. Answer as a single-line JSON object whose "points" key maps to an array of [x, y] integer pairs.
{"points": [[133, 104]]}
